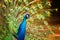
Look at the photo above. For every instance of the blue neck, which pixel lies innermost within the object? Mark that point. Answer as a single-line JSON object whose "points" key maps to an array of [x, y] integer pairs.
{"points": [[22, 30]]}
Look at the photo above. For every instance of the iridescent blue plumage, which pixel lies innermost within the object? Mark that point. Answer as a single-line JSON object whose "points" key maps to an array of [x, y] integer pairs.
{"points": [[22, 28]]}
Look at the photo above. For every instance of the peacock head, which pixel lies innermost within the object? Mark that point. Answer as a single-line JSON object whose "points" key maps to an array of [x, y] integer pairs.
{"points": [[27, 16]]}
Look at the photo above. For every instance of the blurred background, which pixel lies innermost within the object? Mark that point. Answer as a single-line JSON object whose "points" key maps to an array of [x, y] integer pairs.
{"points": [[43, 24]]}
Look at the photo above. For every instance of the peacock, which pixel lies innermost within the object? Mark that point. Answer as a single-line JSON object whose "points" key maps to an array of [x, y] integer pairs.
{"points": [[22, 28], [13, 10]]}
